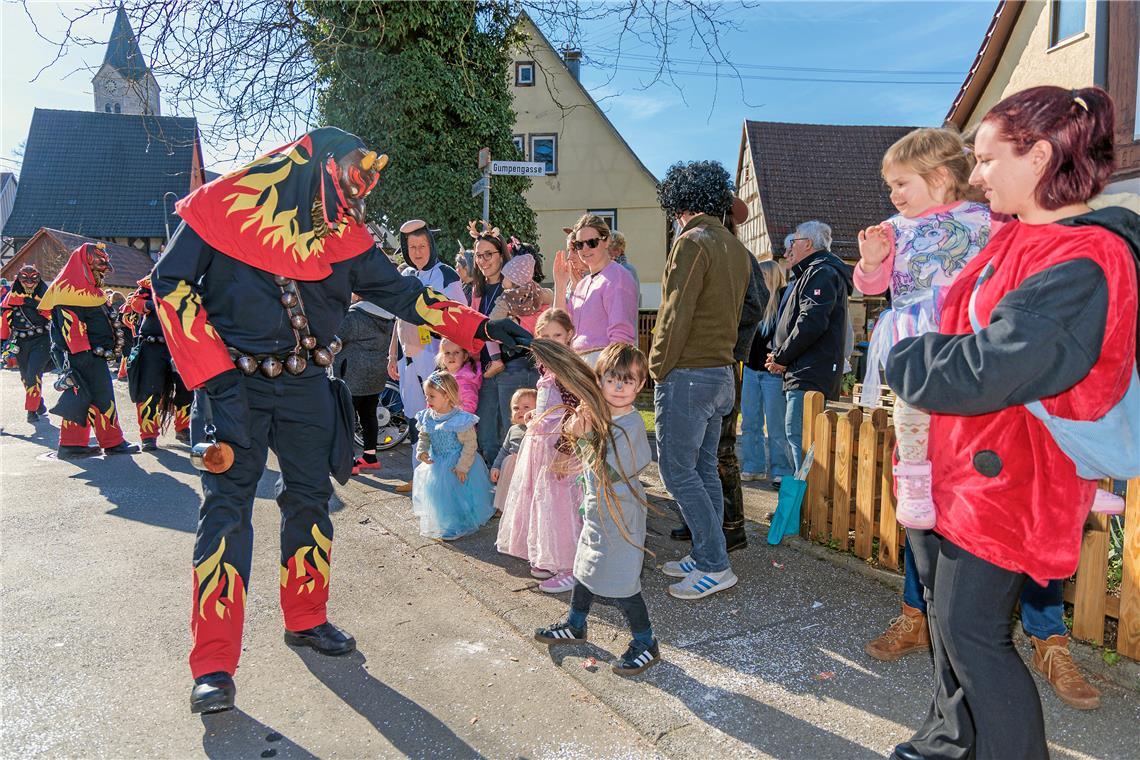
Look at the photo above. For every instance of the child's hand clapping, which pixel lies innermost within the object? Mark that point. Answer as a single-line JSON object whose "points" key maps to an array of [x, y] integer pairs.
{"points": [[425, 458], [460, 475], [873, 248]]}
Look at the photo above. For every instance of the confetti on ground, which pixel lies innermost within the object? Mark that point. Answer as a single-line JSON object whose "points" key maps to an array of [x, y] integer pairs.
{"points": [[816, 605], [475, 720], [590, 664], [826, 675], [777, 565]]}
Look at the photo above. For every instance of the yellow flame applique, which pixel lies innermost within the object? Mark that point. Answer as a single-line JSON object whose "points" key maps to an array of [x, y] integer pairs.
{"points": [[319, 555], [187, 304], [213, 571]]}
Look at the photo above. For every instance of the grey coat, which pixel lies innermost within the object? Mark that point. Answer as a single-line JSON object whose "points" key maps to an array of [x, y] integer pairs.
{"points": [[605, 562], [363, 362]]}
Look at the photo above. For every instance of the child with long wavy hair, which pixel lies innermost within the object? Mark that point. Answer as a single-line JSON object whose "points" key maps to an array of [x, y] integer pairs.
{"points": [[540, 521], [613, 447], [917, 254]]}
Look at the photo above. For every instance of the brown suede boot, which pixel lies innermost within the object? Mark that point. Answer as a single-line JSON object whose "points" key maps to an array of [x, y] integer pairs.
{"points": [[907, 633], [1052, 658]]}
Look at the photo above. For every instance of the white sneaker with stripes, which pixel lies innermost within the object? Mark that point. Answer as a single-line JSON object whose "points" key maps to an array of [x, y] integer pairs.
{"points": [[699, 584], [680, 568]]}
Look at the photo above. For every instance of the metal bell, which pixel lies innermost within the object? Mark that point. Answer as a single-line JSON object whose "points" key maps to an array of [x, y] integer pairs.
{"points": [[299, 321], [247, 364], [281, 280], [322, 357], [335, 345], [288, 300], [295, 364], [271, 366], [309, 342]]}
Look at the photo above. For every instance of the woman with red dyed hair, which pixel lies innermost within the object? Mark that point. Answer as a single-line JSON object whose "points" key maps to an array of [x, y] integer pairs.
{"points": [[1055, 303]]}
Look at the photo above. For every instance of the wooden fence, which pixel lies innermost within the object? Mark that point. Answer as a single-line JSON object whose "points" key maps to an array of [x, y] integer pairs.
{"points": [[850, 506]]}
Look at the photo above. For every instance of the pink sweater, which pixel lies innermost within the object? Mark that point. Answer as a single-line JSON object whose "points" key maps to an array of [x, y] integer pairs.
{"points": [[470, 379], [604, 309]]}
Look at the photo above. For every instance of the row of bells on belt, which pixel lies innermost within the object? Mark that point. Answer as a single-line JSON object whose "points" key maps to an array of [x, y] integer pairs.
{"points": [[294, 364]]}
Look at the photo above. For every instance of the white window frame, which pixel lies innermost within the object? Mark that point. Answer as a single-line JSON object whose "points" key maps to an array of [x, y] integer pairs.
{"points": [[553, 137], [609, 214], [1053, 20], [521, 66], [520, 143]]}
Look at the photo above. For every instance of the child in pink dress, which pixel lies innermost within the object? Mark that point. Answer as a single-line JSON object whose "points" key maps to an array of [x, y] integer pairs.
{"points": [[453, 358], [541, 522]]}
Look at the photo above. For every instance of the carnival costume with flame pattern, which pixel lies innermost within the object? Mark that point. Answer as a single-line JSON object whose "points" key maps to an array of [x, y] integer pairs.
{"points": [[26, 328], [261, 272], [155, 385], [84, 334]]}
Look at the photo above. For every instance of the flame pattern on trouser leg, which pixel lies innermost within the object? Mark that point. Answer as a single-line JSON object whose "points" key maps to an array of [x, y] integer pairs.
{"points": [[182, 418], [32, 360], [92, 374], [32, 396], [305, 583], [72, 434], [148, 417], [218, 614]]}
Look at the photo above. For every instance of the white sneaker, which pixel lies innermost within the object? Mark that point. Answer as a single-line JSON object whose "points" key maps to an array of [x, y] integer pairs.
{"points": [[699, 584], [753, 476], [679, 569]]}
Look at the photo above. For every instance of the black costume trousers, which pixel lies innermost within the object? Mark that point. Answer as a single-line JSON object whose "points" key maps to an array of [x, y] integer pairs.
{"points": [[93, 376], [33, 358], [985, 704], [728, 467], [293, 417], [150, 375]]}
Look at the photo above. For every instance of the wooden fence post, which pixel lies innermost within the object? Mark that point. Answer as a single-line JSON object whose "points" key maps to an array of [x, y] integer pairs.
{"points": [[842, 490], [1128, 632], [866, 481], [823, 469], [888, 525], [813, 407], [1092, 572]]}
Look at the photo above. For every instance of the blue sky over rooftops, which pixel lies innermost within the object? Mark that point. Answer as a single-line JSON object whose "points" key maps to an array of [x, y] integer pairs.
{"points": [[827, 62]]}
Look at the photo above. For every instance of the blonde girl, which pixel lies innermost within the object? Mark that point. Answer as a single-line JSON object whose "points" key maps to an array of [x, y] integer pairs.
{"points": [[451, 492], [917, 254], [454, 359]]}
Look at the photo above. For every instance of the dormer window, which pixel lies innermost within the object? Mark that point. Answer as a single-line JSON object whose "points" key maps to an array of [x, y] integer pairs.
{"points": [[118, 108], [524, 73]]}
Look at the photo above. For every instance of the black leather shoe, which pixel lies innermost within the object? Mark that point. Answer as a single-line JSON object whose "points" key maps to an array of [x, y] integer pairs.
{"points": [[123, 448], [76, 452], [33, 416], [906, 751], [681, 534], [148, 444], [735, 539], [326, 638], [213, 692], [42, 411]]}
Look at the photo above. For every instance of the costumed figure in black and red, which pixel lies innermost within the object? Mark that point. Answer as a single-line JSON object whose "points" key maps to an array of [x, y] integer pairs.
{"points": [[25, 330], [249, 294], [155, 386], [85, 335]]}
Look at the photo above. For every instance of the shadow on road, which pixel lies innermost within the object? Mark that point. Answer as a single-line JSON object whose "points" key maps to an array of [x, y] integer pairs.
{"points": [[412, 730], [46, 435], [235, 734], [154, 498]]}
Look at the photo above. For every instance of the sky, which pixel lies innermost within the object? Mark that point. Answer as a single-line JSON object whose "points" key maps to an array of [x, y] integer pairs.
{"points": [[924, 50]]}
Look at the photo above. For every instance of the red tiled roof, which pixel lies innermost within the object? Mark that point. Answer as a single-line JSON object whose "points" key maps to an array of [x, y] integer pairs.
{"points": [[821, 171], [49, 249]]}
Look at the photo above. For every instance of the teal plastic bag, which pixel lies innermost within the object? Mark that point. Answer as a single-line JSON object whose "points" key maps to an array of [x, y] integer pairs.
{"points": [[786, 520]]}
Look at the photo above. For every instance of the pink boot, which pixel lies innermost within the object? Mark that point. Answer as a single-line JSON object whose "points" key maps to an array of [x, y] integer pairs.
{"points": [[915, 507], [1105, 503]]}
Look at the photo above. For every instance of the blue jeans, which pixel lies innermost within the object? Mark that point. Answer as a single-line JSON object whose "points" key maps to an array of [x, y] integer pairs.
{"points": [[794, 426], [494, 409], [1042, 608], [690, 406], [763, 441]]}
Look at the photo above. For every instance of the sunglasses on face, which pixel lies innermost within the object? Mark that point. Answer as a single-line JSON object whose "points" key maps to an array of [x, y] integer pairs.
{"points": [[592, 243]]}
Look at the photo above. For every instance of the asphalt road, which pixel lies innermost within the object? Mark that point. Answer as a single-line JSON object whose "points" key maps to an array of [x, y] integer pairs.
{"points": [[94, 606]]}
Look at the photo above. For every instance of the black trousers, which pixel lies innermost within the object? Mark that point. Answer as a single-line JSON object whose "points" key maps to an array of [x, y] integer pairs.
{"points": [[985, 703], [633, 607], [728, 467], [366, 412], [92, 375], [35, 353], [293, 416], [151, 379]]}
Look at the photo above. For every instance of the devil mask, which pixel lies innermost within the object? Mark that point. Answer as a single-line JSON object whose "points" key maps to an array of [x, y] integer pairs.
{"points": [[29, 278], [80, 282], [294, 211]]}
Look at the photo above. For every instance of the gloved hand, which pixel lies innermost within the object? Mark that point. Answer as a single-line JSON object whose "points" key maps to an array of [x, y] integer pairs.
{"points": [[229, 408], [504, 331]]}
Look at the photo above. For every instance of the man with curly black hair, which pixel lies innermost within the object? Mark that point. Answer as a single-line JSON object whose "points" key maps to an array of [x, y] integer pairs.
{"points": [[706, 276]]}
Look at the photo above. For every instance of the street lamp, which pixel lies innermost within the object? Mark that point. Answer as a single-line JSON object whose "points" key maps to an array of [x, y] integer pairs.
{"points": [[166, 214]]}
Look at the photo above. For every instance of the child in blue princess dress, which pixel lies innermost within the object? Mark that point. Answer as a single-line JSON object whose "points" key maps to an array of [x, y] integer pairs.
{"points": [[451, 492]]}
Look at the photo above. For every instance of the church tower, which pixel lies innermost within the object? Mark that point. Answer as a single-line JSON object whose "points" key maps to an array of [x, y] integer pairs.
{"points": [[124, 83]]}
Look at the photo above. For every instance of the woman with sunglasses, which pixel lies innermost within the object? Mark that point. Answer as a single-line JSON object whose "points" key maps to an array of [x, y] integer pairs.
{"points": [[494, 410], [603, 303]]}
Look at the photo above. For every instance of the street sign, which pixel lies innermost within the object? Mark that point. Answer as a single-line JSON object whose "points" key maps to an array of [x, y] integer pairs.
{"points": [[518, 168], [484, 157], [479, 187]]}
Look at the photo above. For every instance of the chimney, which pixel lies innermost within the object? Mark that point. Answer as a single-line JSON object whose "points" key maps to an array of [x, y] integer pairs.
{"points": [[573, 59]]}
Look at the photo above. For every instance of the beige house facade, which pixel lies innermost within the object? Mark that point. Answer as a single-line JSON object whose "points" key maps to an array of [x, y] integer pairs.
{"points": [[590, 167], [1066, 43]]}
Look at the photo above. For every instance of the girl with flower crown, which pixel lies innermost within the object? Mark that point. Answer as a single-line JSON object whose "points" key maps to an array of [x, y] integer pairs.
{"points": [[451, 491]]}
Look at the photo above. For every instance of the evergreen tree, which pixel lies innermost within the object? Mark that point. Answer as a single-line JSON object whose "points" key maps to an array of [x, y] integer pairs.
{"points": [[426, 83]]}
